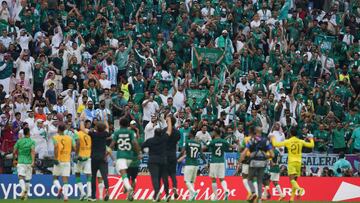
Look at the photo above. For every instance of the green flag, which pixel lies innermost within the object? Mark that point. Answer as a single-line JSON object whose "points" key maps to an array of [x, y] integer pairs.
{"points": [[325, 42], [213, 54], [199, 95], [284, 10]]}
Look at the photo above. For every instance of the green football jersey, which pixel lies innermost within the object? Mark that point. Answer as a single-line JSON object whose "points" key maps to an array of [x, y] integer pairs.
{"points": [[276, 160], [124, 140], [218, 147], [24, 147], [193, 149]]}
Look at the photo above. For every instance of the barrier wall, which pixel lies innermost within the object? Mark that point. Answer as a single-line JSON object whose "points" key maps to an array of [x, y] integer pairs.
{"points": [[316, 188]]}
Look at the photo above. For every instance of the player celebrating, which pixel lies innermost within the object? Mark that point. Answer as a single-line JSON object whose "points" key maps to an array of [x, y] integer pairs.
{"points": [[274, 176], [83, 165], [218, 147], [63, 145], [126, 144], [192, 149], [24, 151], [294, 146]]}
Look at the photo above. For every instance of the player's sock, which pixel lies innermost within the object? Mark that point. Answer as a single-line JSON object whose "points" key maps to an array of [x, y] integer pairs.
{"points": [[214, 188], [66, 190], [190, 187], [265, 193], [22, 185], [57, 184], [126, 182], [294, 184], [88, 188], [278, 188], [27, 185], [256, 188], [224, 185], [246, 185], [80, 186], [293, 192], [101, 190]]}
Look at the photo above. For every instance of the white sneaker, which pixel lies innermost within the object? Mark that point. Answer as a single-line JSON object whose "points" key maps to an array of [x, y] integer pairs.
{"points": [[82, 197]]}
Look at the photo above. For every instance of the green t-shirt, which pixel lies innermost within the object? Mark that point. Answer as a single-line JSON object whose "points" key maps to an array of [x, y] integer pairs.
{"points": [[338, 138], [321, 134], [218, 147], [192, 148], [124, 140], [24, 147], [356, 136]]}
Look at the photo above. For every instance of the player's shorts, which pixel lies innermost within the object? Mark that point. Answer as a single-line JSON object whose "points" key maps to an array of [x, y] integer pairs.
{"points": [[245, 169], [294, 168], [274, 176], [132, 173], [122, 164], [83, 167], [25, 170], [190, 173], [217, 170], [62, 169]]}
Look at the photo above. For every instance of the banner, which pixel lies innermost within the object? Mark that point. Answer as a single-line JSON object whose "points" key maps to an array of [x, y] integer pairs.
{"points": [[200, 95], [313, 163], [337, 189], [325, 42], [213, 54], [283, 14]]}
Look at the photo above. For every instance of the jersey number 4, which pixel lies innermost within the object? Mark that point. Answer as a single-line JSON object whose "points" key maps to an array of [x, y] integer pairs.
{"points": [[124, 144], [218, 151]]}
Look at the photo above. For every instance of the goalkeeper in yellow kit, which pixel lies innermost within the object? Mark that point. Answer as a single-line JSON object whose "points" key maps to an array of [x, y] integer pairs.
{"points": [[294, 146]]}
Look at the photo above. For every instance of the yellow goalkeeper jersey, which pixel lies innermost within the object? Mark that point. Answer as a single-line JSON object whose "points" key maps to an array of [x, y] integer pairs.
{"points": [[294, 146]]}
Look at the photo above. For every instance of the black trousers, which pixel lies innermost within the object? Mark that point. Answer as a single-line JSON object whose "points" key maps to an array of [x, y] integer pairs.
{"points": [[171, 169], [258, 174], [159, 171], [102, 165]]}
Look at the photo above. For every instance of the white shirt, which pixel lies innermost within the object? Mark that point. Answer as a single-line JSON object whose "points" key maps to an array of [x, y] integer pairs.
{"points": [[203, 137], [164, 99], [113, 42], [149, 109], [242, 87], [179, 100], [105, 83], [264, 15], [149, 130], [207, 12], [279, 137], [5, 41], [31, 123], [255, 24], [24, 66], [24, 41], [292, 121], [239, 45]]}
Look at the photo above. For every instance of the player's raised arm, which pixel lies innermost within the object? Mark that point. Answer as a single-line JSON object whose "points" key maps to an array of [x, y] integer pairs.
{"points": [[169, 126], [82, 124], [278, 144], [309, 144]]}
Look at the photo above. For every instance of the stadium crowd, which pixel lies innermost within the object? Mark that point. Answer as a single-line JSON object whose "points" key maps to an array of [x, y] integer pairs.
{"points": [[282, 64]]}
